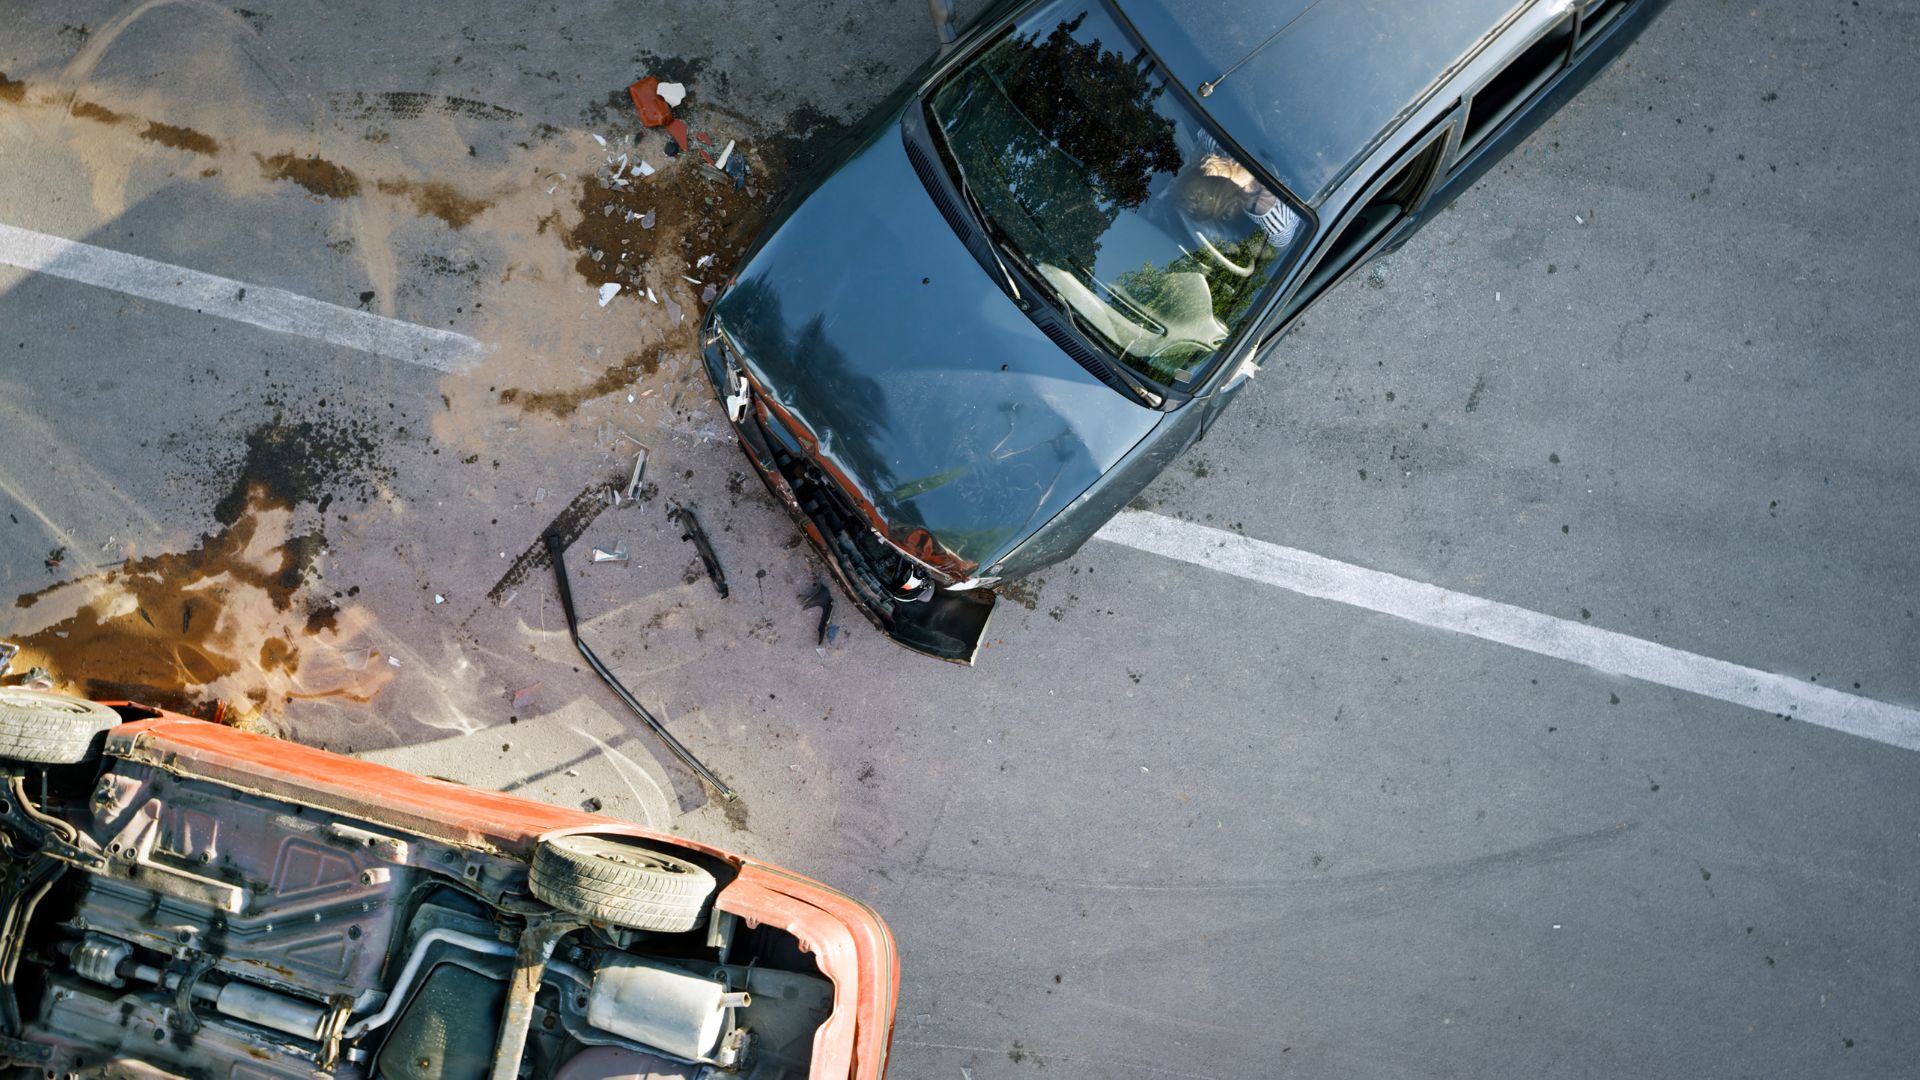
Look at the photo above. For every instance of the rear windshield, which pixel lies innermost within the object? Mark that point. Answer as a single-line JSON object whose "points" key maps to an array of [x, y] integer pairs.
{"points": [[1101, 181]]}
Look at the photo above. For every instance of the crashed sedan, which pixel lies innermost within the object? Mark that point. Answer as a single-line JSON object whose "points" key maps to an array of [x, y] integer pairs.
{"points": [[1050, 260], [185, 899]]}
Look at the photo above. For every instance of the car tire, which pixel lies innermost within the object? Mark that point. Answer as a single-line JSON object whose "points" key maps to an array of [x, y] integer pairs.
{"points": [[609, 880], [51, 729]]}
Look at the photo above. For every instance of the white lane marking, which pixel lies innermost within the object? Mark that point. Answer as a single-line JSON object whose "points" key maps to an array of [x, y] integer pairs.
{"points": [[256, 305], [1430, 605]]}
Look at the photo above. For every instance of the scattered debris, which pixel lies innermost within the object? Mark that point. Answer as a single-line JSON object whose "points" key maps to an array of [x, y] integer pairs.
{"points": [[8, 650], [690, 522], [721, 162], [618, 554], [643, 169], [656, 111], [601, 139], [525, 695], [674, 315], [821, 597], [591, 805], [556, 553], [673, 93], [639, 466], [608, 291], [393, 661], [646, 220], [439, 599]]}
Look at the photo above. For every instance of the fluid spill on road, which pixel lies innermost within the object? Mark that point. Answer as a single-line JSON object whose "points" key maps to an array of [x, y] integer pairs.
{"points": [[222, 621], [313, 172], [234, 618]]}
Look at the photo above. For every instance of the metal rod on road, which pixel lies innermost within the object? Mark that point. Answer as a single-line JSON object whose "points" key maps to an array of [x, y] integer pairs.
{"points": [[557, 551]]}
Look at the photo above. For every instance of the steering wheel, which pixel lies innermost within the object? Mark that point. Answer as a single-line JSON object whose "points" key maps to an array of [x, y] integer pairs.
{"points": [[1217, 256]]}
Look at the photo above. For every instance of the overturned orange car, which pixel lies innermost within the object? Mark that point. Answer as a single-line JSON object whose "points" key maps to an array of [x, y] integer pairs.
{"points": [[185, 899]]}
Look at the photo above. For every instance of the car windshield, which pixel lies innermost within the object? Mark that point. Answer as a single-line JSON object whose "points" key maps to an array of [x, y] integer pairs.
{"points": [[1099, 179]]}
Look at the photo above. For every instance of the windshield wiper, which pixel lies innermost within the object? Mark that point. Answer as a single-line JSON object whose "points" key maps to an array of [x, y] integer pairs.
{"points": [[995, 241], [1113, 363]]}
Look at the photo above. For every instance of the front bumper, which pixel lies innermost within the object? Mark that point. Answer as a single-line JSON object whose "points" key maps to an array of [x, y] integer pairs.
{"points": [[944, 623]]}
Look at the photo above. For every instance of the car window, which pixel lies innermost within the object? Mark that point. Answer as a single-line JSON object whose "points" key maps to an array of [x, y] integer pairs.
{"points": [[1507, 91], [1597, 15], [1391, 202], [1097, 177]]}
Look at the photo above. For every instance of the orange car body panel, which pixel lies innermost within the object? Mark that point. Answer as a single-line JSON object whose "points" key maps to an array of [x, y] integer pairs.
{"points": [[852, 946]]}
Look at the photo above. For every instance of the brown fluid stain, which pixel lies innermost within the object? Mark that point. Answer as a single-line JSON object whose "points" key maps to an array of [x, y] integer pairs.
{"points": [[439, 200], [525, 215], [316, 174], [696, 214], [563, 403], [100, 114], [218, 622], [180, 138], [12, 89]]}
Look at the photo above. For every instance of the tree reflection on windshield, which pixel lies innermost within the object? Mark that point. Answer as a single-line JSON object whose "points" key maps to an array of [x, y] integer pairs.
{"points": [[1111, 191]]}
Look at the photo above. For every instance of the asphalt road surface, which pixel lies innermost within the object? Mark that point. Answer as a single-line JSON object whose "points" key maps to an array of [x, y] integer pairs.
{"points": [[1588, 750]]}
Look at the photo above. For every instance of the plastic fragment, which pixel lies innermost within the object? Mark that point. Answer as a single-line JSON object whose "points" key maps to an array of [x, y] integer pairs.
{"points": [[608, 292], [708, 293], [639, 467], [618, 554], [393, 661], [643, 169], [673, 93], [601, 139], [646, 220], [438, 599], [721, 162], [704, 261], [650, 295]]}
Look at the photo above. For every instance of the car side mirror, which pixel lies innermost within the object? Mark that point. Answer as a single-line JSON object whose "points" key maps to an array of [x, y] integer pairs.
{"points": [[942, 12]]}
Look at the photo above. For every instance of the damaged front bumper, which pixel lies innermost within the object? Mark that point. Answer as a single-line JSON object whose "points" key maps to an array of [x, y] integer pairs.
{"points": [[904, 597]]}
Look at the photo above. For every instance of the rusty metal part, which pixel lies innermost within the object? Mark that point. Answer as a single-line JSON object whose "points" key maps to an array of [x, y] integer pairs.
{"points": [[529, 966], [690, 522], [557, 548]]}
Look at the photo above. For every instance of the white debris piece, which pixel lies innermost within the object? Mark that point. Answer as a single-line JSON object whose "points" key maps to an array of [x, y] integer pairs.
{"points": [[601, 139], [608, 291], [438, 599], [721, 161], [393, 661], [704, 260], [650, 295], [672, 93], [643, 169]]}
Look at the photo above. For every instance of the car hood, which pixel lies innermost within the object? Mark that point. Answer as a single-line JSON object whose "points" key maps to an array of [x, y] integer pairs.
{"points": [[909, 374]]}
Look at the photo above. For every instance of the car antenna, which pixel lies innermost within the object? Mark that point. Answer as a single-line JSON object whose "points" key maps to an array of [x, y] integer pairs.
{"points": [[1207, 88]]}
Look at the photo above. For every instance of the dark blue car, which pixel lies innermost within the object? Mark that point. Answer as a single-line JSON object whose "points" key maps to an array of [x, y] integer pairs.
{"points": [[1048, 262]]}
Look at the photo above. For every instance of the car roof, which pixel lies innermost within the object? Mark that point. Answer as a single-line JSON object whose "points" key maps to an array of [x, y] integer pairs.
{"points": [[1334, 77]]}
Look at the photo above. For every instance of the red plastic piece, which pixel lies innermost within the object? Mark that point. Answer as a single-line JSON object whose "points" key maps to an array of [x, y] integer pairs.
{"points": [[654, 110]]}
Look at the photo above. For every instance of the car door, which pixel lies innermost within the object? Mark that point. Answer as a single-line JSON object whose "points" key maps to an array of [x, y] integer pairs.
{"points": [[1544, 71], [1389, 204]]}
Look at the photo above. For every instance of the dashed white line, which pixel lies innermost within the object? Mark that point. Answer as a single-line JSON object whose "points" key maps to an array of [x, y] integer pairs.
{"points": [[256, 305], [1429, 605]]}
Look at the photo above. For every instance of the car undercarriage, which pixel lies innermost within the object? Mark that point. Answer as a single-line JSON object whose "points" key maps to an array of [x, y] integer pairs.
{"points": [[162, 923]]}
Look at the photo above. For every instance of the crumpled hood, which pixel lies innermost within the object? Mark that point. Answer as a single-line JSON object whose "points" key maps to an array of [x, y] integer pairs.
{"points": [[917, 380]]}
